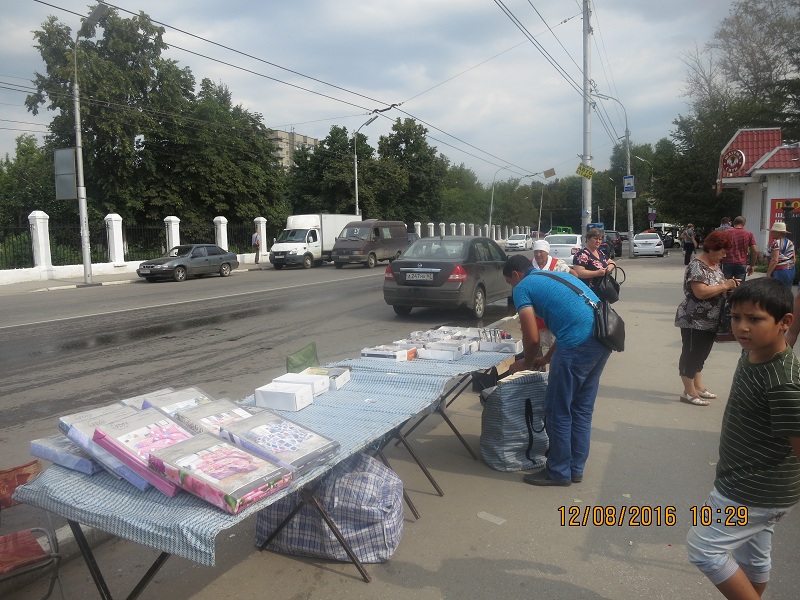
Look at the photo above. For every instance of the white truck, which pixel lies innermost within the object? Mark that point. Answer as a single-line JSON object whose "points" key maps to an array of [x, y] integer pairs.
{"points": [[308, 239]]}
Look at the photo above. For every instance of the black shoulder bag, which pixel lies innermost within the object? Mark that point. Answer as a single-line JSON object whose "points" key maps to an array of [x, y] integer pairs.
{"points": [[609, 327]]}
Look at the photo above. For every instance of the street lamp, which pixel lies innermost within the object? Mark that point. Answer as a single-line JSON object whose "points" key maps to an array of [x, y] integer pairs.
{"points": [[491, 203], [355, 157], [628, 165], [86, 249], [644, 160], [615, 203]]}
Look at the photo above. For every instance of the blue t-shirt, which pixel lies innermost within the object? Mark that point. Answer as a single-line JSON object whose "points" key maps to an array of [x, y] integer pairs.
{"points": [[567, 315]]}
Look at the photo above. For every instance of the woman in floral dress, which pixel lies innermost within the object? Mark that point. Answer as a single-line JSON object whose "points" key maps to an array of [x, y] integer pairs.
{"points": [[590, 263], [704, 287]]}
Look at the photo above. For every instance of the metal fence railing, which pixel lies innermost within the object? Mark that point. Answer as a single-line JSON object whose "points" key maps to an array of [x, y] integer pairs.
{"points": [[239, 237], [143, 242], [16, 248], [65, 244]]}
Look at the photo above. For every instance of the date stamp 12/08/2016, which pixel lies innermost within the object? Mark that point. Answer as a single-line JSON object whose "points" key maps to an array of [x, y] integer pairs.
{"points": [[649, 516]]}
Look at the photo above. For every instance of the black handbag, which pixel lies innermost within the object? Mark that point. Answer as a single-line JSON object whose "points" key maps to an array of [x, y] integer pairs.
{"points": [[609, 328], [607, 289]]}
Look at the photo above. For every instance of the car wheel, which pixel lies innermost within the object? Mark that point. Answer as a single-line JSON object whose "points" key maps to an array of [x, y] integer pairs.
{"points": [[479, 303], [308, 262], [225, 270], [278, 267], [179, 274], [338, 265], [402, 311], [372, 260], [151, 279]]}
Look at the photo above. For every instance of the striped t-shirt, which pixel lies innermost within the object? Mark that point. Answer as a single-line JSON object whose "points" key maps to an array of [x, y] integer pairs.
{"points": [[757, 466]]}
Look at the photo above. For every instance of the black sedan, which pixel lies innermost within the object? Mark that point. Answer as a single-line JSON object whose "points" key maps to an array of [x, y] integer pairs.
{"points": [[189, 259], [447, 272]]}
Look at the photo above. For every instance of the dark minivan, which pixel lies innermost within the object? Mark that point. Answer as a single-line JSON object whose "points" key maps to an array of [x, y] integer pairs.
{"points": [[369, 241]]}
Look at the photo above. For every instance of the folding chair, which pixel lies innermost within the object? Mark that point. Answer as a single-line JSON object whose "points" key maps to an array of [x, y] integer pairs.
{"points": [[302, 359], [23, 552]]}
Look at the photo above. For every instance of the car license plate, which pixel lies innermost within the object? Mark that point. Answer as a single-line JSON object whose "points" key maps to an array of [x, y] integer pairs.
{"points": [[144, 270], [345, 256], [419, 276]]}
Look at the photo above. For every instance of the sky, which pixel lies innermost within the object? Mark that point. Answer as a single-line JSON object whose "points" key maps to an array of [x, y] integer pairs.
{"points": [[462, 68]]}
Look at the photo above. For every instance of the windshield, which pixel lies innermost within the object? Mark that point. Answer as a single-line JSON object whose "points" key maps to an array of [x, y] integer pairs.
{"points": [[180, 251], [517, 236], [568, 240], [435, 248], [647, 236], [292, 235], [356, 233]]}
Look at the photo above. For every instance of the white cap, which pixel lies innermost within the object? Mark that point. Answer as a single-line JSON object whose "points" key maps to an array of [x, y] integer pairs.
{"points": [[542, 245]]}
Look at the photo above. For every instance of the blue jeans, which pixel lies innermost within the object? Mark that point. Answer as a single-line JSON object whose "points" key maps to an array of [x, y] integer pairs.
{"points": [[569, 404], [785, 276], [732, 270]]}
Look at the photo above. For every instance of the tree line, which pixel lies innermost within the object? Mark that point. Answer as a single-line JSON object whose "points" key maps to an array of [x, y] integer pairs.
{"points": [[156, 144]]}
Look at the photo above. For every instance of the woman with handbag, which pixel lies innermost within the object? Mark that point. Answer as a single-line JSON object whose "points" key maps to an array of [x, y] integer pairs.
{"points": [[704, 289], [590, 264], [781, 255]]}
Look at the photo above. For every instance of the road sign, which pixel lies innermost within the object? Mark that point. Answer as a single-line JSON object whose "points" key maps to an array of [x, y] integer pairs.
{"points": [[627, 185], [585, 170], [629, 194]]}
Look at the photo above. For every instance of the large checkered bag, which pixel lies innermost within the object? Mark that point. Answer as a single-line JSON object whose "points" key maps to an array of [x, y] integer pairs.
{"points": [[365, 500], [512, 424]]}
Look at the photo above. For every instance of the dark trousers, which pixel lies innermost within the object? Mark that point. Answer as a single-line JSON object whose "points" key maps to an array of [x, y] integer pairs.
{"points": [[688, 250], [695, 347]]}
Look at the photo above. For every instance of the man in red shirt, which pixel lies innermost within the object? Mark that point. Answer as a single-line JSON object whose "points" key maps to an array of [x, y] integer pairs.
{"points": [[739, 262]]}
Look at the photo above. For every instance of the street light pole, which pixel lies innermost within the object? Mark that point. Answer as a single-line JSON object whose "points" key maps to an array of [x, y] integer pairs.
{"points": [[628, 166], [491, 203], [355, 157], [83, 211], [615, 203]]}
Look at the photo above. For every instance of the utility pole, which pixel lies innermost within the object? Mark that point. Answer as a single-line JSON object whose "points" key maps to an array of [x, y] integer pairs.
{"points": [[586, 158]]}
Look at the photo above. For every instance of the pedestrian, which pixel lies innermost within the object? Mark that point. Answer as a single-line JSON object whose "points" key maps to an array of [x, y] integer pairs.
{"points": [[543, 261], [758, 473], [590, 263], [689, 243], [724, 224], [781, 255], [576, 363], [256, 243], [698, 316], [739, 262]]}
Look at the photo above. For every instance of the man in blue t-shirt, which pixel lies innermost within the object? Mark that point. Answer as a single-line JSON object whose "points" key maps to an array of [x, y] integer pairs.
{"points": [[576, 362]]}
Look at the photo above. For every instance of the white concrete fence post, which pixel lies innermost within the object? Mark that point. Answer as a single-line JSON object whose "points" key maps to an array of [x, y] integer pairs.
{"points": [[173, 232], [40, 240], [116, 247], [431, 232], [418, 228], [221, 232], [462, 229]]}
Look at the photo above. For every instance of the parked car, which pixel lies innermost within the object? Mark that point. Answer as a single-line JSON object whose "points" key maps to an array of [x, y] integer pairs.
{"points": [[189, 260], [447, 272], [519, 241], [648, 244], [611, 241], [564, 245]]}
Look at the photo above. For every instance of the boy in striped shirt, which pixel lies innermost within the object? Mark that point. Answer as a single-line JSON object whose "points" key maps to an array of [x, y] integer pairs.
{"points": [[758, 473]]}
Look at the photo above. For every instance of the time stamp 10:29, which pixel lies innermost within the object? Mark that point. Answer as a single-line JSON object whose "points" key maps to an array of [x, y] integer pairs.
{"points": [[649, 516]]}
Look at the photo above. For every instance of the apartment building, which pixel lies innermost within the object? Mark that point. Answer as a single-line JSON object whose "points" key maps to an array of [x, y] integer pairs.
{"points": [[286, 142]]}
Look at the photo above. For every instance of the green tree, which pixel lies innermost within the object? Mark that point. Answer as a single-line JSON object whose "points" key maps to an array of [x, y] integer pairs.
{"points": [[152, 148], [409, 153], [27, 183]]}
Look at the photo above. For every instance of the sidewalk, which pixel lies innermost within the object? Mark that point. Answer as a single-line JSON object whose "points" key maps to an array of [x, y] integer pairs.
{"points": [[492, 536]]}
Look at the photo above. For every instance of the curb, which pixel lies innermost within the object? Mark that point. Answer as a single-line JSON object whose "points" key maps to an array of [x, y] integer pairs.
{"points": [[73, 286]]}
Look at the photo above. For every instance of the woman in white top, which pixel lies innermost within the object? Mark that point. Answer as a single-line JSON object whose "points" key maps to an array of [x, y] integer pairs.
{"points": [[544, 262]]}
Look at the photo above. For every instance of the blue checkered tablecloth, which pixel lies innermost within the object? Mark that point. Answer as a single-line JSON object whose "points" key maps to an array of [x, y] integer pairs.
{"points": [[381, 396]]}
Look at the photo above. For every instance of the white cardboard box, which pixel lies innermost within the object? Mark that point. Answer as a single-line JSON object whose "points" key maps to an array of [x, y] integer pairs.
{"points": [[319, 383], [284, 396], [397, 353], [463, 346], [337, 376], [440, 353], [509, 345]]}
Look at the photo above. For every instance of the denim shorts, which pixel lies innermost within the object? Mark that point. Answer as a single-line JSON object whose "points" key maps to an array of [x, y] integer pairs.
{"points": [[719, 550]]}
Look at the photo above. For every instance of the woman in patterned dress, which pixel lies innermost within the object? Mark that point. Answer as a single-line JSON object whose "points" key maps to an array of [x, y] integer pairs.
{"points": [[590, 263], [704, 287], [781, 255]]}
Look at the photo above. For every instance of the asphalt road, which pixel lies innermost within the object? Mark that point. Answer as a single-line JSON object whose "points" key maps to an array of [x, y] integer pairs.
{"points": [[73, 349]]}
